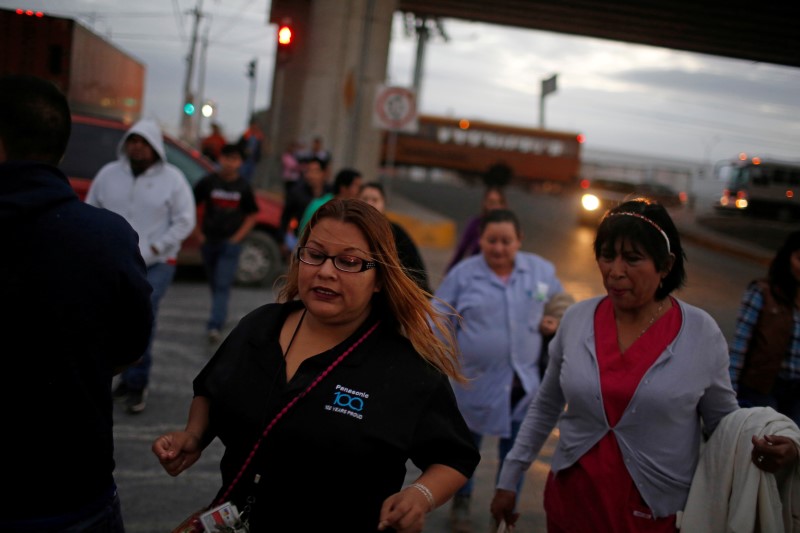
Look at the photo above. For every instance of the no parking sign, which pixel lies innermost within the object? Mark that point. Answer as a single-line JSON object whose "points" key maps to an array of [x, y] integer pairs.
{"points": [[395, 109]]}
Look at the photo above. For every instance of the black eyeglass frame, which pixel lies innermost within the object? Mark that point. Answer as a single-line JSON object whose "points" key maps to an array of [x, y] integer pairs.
{"points": [[365, 265]]}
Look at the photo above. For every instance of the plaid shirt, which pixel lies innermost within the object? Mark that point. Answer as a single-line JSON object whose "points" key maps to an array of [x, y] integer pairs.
{"points": [[752, 302]]}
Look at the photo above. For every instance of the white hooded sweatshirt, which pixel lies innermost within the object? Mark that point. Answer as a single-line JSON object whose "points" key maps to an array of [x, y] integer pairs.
{"points": [[158, 203]]}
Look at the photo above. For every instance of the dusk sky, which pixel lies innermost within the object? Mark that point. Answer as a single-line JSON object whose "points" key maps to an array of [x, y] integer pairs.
{"points": [[624, 98]]}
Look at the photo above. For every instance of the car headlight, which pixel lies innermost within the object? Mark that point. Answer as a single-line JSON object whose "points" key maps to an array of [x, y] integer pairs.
{"points": [[590, 202]]}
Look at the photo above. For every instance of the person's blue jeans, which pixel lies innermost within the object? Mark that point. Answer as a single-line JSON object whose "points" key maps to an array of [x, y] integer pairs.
{"points": [[784, 398], [160, 276], [504, 446], [221, 261]]}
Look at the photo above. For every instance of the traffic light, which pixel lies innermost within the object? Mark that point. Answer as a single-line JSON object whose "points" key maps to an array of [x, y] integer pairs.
{"points": [[286, 38], [251, 69], [188, 108]]}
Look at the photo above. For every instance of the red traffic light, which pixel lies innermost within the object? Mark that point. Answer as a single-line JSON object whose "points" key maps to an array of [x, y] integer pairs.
{"points": [[285, 36]]}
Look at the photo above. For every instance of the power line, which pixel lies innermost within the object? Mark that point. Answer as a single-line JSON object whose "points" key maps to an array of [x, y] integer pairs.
{"points": [[240, 11], [176, 13]]}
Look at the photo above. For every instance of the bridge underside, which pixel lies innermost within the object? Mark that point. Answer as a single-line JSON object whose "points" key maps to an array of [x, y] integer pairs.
{"points": [[764, 31]]}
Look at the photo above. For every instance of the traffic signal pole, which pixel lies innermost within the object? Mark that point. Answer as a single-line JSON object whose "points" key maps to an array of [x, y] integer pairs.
{"points": [[251, 73], [197, 131]]}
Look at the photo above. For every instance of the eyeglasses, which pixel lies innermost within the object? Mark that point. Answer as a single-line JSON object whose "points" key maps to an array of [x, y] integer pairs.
{"points": [[345, 263]]}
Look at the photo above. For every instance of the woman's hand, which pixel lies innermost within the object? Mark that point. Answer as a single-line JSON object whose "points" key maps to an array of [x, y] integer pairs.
{"points": [[773, 452], [502, 507], [404, 511], [177, 451]]}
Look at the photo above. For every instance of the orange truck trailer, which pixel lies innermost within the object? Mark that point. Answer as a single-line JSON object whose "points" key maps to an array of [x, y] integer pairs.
{"points": [[98, 78]]}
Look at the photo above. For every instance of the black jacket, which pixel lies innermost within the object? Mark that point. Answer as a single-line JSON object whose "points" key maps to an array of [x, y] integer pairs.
{"points": [[75, 305]]}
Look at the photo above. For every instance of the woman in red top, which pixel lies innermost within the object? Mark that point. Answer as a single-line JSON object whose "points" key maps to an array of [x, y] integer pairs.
{"points": [[634, 385]]}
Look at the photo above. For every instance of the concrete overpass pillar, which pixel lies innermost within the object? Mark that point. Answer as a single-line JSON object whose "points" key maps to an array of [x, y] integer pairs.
{"points": [[327, 87]]}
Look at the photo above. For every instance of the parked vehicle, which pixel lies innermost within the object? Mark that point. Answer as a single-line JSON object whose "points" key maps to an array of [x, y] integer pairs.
{"points": [[598, 196], [93, 143]]}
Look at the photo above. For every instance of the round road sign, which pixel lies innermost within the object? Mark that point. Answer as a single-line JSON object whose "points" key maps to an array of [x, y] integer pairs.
{"points": [[396, 108]]}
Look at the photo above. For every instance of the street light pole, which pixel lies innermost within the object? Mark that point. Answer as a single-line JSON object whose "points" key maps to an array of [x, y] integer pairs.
{"points": [[548, 86]]}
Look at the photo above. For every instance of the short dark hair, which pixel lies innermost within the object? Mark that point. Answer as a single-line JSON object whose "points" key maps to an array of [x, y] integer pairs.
{"points": [[35, 120], [232, 149], [322, 164], [638, 221], [500, 215], [345, 178], [375, 185], [782, 282]]}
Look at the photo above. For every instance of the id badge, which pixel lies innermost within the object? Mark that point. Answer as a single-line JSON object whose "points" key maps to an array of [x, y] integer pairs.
{"points": [[223, 519]]}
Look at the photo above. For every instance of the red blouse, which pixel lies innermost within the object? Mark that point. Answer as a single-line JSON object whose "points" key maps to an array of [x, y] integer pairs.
{"points": [[597, 493]]}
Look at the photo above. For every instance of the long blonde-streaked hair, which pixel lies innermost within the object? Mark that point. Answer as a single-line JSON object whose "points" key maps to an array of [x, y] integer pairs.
{"points": [[430, 332]]}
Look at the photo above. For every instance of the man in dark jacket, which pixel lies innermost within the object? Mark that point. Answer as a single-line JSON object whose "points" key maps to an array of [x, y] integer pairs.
{"points": [[75, 311]]}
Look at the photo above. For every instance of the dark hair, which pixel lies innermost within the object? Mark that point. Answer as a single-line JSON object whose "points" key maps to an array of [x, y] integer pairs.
{"points": [[782, 282], [345, 178], [232, 149], [322, 164], [500, 215], [635, 221], [35, 120], [375, 185]]}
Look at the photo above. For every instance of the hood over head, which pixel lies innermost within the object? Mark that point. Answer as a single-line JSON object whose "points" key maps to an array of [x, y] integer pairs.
{"points": [[151, 132]]}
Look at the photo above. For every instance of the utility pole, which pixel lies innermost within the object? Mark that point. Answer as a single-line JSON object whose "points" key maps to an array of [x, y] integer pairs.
{"points": [[188, 97], [424, 28], [422, 39]]}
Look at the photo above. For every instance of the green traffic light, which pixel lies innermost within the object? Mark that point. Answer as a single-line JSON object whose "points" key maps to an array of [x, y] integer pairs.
{"points": [[188, 108]]}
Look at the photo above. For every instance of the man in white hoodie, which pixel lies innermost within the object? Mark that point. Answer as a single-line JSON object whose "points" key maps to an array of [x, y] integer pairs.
{"points": [[157, 201]]}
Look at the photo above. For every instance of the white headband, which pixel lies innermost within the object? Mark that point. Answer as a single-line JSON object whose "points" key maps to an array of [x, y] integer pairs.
{"points": [[642, 217]]}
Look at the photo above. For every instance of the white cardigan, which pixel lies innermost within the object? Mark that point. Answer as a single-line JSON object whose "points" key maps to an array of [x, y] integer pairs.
{"points": [[729, 492]]}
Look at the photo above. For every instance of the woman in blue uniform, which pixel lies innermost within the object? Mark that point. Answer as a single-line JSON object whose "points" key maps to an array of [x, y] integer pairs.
{"points": [[500, 296]]}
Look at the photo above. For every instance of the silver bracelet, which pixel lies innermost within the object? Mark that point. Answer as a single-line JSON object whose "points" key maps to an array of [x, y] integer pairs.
{"points": [[427, 493]]}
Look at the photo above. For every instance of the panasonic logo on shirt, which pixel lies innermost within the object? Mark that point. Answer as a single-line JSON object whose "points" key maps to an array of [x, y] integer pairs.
{"points": [[348, 402]]}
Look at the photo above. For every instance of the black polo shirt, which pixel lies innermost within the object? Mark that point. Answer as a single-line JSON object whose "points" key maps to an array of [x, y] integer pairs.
{"points": [[340, 451]]}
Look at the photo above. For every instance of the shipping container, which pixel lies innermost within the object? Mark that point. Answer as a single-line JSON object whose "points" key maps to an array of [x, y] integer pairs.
{"points": [[98, 78]]}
